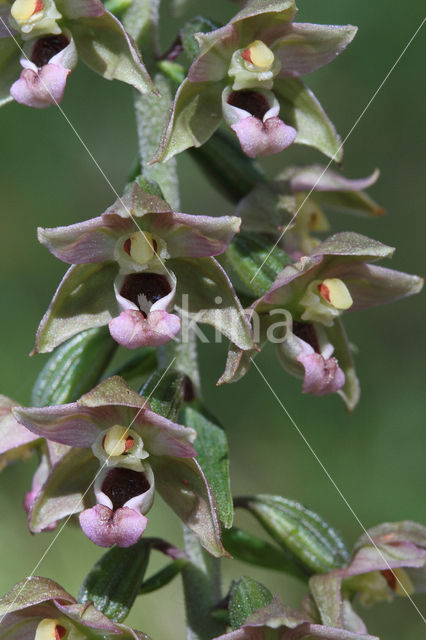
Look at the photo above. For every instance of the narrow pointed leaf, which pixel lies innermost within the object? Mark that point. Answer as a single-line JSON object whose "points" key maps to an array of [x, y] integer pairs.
{"points": [[247, 596], [115, 580], [74, 368], [212, 455], [311, 541]]}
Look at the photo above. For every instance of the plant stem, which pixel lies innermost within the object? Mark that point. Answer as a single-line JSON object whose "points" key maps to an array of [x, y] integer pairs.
{"points": [[201, 584]]}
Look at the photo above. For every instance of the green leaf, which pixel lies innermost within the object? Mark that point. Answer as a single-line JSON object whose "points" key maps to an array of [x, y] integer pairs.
{"points": [[74, 368], [115, 580], [204, 285], [165, 390], [227, 167], [253, 550], [247, 596], [106, 48], [84, 299], [301, 109], [309, 540], [211, 445], [253, 262], [163, 577]]}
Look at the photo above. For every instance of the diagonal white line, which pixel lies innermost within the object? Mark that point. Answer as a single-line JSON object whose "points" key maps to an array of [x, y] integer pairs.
{"points": [[379, 88], [79, 503], [299, 431], [86, 148]]}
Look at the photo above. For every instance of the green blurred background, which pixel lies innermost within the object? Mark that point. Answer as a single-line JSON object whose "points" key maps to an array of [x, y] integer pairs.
{"points": [[376, 455]]}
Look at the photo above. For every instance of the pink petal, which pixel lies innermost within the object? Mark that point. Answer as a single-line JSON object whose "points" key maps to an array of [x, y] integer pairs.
{"points": [[41, 88], [105, 527], [259, 138], [322, 376], [132, 330]]}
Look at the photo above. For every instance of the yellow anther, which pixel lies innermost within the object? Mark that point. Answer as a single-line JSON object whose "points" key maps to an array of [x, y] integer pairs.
{"points": [[50, 629], [140, 246], [115, 440], [22, 10], [259, 54], [334, 291], [403, 584]]}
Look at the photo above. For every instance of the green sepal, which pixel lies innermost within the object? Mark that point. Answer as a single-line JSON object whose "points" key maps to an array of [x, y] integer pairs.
{"points": [[165, 390], [309, 540], [212, 448], [115, 580], [253, 262], [248, 548], [246, 597], [74, 368], [117, 7], [142, 364], [163, 577], [199, 24], [224, 164]]}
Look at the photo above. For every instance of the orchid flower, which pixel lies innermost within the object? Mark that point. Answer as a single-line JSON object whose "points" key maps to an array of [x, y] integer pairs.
{"points": [[40, 609], [315, 291], [116, 443], [388, 560], [132, 265], [247, 74], [43, 37], [277, 622], [292, 205]]}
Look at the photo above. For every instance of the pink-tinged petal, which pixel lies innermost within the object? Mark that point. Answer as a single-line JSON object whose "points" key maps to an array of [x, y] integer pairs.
{"points": [[322, 375], [81, 8], [318, 178], [386, 556], [85, 242], [194, 236], [41, 88], [370, 285], [69, 424], [306, 47], [162, 437], [105, 527], [266, 138], [33, 591], [14, 438], [39, 478], [132, 330], [394, 532]]}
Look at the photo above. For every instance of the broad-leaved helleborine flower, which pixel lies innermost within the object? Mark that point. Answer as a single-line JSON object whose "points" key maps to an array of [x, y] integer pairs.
{"points": [[133, 265], [247, 73], [43, 37], [116, 443]]}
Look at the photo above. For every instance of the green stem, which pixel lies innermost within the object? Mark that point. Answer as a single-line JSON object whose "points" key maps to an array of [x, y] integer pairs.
{"points": [[201, 584]]}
